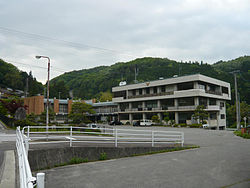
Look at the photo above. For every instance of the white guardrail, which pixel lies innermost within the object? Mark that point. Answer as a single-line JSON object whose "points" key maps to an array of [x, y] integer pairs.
{"points": [[26, 178], [69, 134]]}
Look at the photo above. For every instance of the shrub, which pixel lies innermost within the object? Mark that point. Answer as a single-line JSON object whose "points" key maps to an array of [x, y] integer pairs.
{"points": [[195, 125], [243, 135], [103, 156], [76, 160], [182, 125], [23, 123], [127, 123]]}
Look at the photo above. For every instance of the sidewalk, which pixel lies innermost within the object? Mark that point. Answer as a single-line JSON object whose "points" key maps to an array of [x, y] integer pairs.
{"points": [[9, 172]]}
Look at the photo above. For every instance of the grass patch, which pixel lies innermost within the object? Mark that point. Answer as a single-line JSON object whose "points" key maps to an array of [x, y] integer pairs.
{"points": [[243, 135], [167, 150]]}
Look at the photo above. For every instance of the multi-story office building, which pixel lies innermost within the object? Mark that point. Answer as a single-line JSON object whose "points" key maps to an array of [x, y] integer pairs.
{"points": [[179, 96]]}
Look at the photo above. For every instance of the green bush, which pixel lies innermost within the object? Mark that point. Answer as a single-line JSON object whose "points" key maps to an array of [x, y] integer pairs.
{"points": [[196, 125], [182, 125], [244, 135], [23, 123], [76, 160], [103, 156], [127, 123]]}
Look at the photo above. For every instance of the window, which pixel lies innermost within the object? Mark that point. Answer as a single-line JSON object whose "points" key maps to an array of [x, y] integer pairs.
{"points": [[203, 101], [213, 116], [148, 90], [222, 116], [188, 101], [155, 89], [163, 89], [140, 91], [63, 108], [212, 101], [225, 90], [185, 86], [222, 104], [134, 92]]}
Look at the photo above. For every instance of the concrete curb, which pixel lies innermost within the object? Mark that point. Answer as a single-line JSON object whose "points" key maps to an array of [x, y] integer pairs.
{"points": [[9, 175]]}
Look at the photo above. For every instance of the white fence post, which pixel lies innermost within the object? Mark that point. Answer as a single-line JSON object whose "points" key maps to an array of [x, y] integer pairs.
{"points": [[40, 180], [70, 136], [28, 133], [116, 140], [152, 138]]}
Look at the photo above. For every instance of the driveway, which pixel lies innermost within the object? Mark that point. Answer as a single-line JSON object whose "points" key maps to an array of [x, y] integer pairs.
{"points": [[223, 160]]}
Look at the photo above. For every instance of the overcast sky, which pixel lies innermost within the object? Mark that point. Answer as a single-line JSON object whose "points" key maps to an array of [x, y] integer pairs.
{"points": [[80, 34]]}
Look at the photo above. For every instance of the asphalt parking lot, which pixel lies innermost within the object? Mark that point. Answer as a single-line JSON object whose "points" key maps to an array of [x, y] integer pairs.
{"points": [[223, 160]]}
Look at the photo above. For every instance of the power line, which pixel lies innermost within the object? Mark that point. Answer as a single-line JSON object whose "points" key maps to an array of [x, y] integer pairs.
{"points": [[68, 43], [27, 65]]}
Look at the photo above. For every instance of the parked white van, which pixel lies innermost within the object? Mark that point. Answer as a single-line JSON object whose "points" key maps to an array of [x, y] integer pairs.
{"points": [[146, 122]]}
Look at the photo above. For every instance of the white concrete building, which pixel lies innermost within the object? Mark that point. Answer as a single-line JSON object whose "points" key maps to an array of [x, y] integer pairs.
{"points": [[178, 95]]}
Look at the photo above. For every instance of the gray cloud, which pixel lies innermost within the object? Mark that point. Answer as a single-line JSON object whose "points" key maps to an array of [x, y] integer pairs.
{"points": [[208, 30]]}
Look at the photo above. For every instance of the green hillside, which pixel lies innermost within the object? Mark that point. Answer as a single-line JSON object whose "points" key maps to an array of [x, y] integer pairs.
{"points": [[13, 78], [88, 83]]}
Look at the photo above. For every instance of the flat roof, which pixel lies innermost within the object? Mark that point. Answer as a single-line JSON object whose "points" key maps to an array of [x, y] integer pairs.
{"points": [[172, 80]]}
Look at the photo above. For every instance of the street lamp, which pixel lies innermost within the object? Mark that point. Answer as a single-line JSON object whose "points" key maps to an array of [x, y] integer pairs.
{"points": [[47, 107]]}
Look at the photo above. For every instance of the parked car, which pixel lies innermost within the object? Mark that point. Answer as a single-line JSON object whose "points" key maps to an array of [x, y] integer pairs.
{"points": [[205, 126], [144, 122], [136, 123], [115, 123], [93, 126]]}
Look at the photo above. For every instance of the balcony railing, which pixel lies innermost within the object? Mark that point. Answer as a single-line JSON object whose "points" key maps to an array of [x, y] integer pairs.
{"points": [[151, 95], [213, 92], [171, 108]]}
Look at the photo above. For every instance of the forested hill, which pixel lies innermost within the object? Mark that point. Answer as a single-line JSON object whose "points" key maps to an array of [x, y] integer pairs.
{"points": [[11, 77], [88, 83]]}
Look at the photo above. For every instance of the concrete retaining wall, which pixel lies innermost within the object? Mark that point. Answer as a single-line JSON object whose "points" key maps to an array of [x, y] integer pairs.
{"points": [[48, 158]]}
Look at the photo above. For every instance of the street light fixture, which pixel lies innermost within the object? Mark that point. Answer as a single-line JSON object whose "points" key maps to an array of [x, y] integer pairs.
{"points": [[47, 105]]}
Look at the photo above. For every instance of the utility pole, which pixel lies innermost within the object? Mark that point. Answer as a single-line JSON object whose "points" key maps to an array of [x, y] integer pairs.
{"points": [[236, 99], [136, 73], [27, 87], [47, 106]]}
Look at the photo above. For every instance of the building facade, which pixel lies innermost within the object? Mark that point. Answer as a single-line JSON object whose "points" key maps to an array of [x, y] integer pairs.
{"points": [[179, 96], [104, 111]]}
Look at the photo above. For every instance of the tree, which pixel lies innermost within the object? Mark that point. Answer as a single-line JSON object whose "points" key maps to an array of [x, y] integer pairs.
{"points": [[200, 113], [79, 112], [231, 112], [51, 115], [11, 105], [166, 117], [155, 119], [105, 96]]}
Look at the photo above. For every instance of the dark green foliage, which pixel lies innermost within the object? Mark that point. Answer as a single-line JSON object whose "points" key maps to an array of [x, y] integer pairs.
{"points": [[79, 111], [243, 135], [103, 156], [195, 125], [23, 123], [13, 78], [200, 113], [77, 160]]}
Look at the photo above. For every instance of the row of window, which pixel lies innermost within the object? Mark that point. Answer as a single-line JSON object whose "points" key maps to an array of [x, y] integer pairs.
{"points": [[167, 88]]}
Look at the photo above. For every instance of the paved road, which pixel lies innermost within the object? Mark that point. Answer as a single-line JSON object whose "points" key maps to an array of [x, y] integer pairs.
{"points": [[222, 160]]}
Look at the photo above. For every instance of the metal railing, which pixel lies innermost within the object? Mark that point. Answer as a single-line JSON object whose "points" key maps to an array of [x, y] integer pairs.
{"points": [[101, 135], [26, 178]]}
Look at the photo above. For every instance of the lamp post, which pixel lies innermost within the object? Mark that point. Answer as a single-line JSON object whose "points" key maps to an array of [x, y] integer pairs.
{"points": [[47, 106]]}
